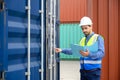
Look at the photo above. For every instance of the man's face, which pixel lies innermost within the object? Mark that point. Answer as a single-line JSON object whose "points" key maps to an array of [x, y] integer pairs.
{"points": [[86, 29]]}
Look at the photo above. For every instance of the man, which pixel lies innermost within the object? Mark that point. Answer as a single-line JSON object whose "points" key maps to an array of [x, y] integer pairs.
{"points": [[90, 60]]}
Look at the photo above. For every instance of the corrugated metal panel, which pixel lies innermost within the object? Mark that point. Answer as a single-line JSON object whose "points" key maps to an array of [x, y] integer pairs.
{"points": [[69, 34], [72, 10], [119, 35], [113, 37], [17, 40], [14, 41], [103, 29], [105, 19]]}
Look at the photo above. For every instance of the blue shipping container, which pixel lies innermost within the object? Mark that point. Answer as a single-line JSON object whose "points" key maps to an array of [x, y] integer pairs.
{"points": [[14, 40]]}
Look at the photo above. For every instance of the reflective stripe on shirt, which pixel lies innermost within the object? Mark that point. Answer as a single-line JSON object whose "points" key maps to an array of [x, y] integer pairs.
{"points": [[90, 62]]}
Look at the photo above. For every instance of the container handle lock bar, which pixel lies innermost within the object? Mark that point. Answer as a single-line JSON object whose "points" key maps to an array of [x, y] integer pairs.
{"points": [[1, 5]]}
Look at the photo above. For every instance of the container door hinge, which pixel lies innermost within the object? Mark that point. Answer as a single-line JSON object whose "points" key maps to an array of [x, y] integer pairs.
{"points": [[40, 70], [27, 8], [41, 11], [27, 73]]}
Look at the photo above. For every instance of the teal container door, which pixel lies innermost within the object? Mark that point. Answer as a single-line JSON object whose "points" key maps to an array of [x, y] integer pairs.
{"points": [[69, 34]]}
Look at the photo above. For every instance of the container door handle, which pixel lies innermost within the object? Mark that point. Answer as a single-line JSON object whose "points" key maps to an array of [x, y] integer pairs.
{"points": [[1, 5]]}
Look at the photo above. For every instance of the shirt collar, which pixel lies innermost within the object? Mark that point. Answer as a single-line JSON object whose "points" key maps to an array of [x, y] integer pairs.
{"points": [[90, 35]]}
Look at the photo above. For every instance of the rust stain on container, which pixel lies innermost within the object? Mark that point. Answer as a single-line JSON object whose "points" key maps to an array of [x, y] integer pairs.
{"points": [[72, 10], [105, 19]]}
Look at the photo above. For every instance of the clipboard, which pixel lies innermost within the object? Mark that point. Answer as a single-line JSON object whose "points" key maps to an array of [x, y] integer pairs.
{"points": [[76, 49]]}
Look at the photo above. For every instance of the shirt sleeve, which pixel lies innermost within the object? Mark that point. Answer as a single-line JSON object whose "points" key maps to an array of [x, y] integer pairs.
{"points": [[67, 51], [101, 52]]}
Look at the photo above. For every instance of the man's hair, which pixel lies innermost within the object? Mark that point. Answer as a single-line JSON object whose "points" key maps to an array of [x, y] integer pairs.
{"points": [[89, 25]]}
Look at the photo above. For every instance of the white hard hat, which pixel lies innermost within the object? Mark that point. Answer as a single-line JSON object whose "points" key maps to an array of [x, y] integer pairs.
{"points": [[85, 21]]}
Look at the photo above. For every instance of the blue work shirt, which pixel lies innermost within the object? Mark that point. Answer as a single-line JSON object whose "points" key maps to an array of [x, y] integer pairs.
{"points": [[96, 55]]}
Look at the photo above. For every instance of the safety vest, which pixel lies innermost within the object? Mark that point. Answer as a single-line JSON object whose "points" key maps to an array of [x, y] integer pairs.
{"points": [[86, 62]]}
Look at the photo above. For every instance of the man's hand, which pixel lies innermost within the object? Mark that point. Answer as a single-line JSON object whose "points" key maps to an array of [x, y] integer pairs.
{"points": [[84, 53], [57, 50]]}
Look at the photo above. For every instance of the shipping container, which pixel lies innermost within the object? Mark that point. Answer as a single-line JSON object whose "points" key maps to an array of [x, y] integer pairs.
{"points": [[71, 11], [106, 22], [106, 19], [69, 34], [24, 51]]}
